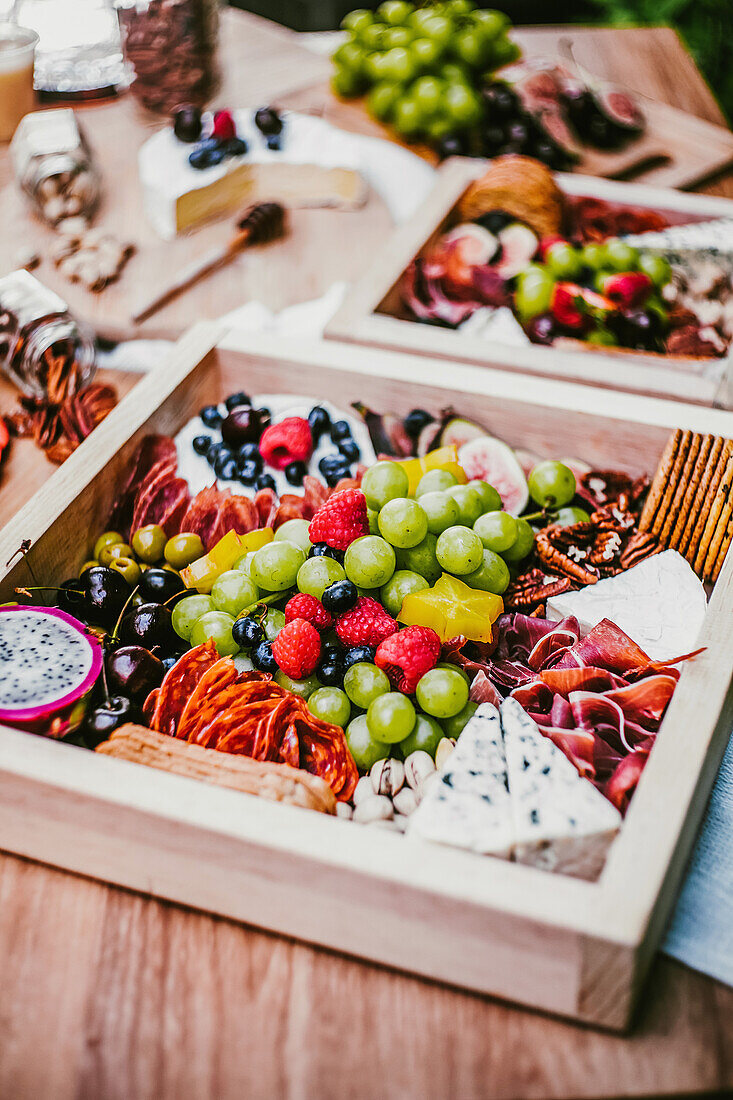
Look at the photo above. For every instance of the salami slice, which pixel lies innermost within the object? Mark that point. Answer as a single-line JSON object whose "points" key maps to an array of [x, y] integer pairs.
{"points": [[266, 505], [236, 513], [178, 683], [167, 506], [160, 474], [152, 449], [202, 515]]}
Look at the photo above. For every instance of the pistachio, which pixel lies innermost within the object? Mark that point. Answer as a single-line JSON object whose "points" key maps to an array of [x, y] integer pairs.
{"points": [[375, 808], [443, 751], [405, 801], [344, 810], [48, 188], [417, 766], [387, 776], [362, 790]]}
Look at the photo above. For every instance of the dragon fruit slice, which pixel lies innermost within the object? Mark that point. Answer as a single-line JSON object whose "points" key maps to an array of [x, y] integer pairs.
{"points": [[48, 665]]}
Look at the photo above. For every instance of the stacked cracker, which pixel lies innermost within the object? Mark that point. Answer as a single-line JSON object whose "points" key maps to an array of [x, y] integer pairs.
{"points": [[690, 503]]}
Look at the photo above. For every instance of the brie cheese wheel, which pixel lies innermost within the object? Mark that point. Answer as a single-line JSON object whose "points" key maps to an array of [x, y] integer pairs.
{"points": [[560, 821], [469, 805], [314, 167], [660, 603]]}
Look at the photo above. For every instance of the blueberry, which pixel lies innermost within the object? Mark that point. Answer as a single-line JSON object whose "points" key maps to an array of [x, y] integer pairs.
{"points": [[274, 142], [295, 472], [357, 654], [202, 443], [319, 421], [265, 481], [211, 416], [334, 467], [250, 451], [340, 430], [247, 632], [199, 159], [263, 659], [206, 154], [323, 550], [226, 469], [330, 673], [331, 651], [350, 450], [416, 420], [235, 400], [450, 146], [248, 471], [268, 121], [169, 662], [212, 455], [235, 147], [339, 597], [215, 156]]}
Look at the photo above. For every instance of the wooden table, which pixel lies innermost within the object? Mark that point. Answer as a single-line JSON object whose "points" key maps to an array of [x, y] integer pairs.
{"points": [[104, 994]]}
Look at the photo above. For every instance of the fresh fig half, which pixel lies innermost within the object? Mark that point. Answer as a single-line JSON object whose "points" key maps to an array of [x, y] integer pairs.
{"points": [[457, 431], [491, 460], [619, 108], [518, 246], [477, 244]]}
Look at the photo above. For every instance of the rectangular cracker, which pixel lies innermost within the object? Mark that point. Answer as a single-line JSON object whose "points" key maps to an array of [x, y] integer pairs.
{"points": [[690, 492], [717, 505], [711, 466], [707, 502], [673, 480], [670, 520], [659, 484]]}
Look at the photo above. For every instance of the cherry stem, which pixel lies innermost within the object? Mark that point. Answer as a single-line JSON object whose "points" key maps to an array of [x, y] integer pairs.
{"points": [[46, 588], [113, 635]]}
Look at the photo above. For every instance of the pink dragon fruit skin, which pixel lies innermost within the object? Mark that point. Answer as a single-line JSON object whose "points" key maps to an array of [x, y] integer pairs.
{"points": [[69, 653]]}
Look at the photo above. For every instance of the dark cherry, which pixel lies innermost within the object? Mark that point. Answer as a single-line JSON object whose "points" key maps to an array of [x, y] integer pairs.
{"points": [[451, 146], [541, 329], [247, 632], [242, 425], [106, 592], [268, 121], [107, 717], [160, 586], [493, 137], [134, 671], [71, 597], [187, 123], [519, 132], [150, 626], [501, 101]]}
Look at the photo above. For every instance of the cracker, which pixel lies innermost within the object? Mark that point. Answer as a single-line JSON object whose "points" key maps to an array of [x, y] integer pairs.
{"points": [[673, 480], [718, 503], [722, 553], [711, 466], [708, 502], [690, 491], [659, 484], [673, 513], [720, 535]]}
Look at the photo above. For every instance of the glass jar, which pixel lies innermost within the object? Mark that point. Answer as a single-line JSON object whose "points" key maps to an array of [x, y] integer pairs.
{"points": [[45, 351], [53, 164], [171, 46]]}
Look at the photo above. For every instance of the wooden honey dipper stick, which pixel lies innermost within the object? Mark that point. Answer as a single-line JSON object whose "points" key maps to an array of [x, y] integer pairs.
{"points": [[260, 224]]}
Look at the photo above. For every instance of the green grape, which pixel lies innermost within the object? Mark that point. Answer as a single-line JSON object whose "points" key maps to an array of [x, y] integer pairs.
{"points": [[273, 623], [426, 736], [187, 611], [362, 746], [295, 530], [382, 99], [391, 717], [593, 256], [469, 503], [398, 36], [421, 559], [492, 23], [244, 564], [364, 682], [491, 576], [454, 668], [620, 256], [357, 20], [453, 727], [346, 83], [439, 29], [454, 73], [372, 37], [442, 693], [349, 57], [462, 105], [441, 510], [303, 688], [399, 66], [373, 520], [275, 566], [504, 51], [408, 118], [600, 277], [427, 93], [602, 338], [394, 12], [232, 591], [434, 481], [376, 67], [316, 574], [217, 626], [497, 531], [656, 267], [523, 545], [459, 550], [563, 261], [369, 561], [403, 523], [470, 47], [425, 53], [551, 484], [566, 517], [383, 482], [490, 499], [330, 704], [438, 127], [534, 292], [401, 584]]}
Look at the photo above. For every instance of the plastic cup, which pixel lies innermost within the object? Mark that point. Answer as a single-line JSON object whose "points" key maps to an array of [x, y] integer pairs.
{"points": [[17, 50]]}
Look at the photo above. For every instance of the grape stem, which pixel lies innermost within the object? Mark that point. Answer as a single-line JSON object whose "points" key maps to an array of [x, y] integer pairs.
{"points": [[273, 598]]}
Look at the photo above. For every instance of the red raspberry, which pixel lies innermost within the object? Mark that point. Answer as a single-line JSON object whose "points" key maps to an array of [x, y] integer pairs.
{"points": [[340, 520], [297, 649], [408, 655], [367, 623], [286, 442], [224, 127], [303, 606]]}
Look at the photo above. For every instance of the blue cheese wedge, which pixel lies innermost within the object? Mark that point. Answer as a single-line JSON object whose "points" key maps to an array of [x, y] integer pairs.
{"points": [[560, 821], [468, 807], [688, 246]]}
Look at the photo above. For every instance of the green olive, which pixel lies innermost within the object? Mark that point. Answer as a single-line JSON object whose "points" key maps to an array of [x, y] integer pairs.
{"points": [[129, 569], [114, 550], [182, 549], [149, 543], [109, 538], [87, 565]]}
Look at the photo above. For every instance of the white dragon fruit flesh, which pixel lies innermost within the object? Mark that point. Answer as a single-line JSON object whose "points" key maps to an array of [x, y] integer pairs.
{"points": [[49, 663]]}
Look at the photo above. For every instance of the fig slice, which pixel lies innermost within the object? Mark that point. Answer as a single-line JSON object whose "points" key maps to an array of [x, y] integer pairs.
{"points": [[456, 431], [487, 458]]}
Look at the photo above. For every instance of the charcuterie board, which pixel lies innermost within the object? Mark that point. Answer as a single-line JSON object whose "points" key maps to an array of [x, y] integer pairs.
{"points": [[550, 941], [375, 313]]}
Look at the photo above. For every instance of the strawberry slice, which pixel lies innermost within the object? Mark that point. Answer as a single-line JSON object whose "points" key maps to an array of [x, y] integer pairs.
{"points": [[631, 288], [571, 304]]}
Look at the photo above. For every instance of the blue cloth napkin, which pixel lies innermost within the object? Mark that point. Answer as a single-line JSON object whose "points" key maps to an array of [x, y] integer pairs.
{"points": [[701, 932]]}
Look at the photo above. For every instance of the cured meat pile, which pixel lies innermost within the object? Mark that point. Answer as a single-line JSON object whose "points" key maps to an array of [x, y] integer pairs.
{"points": [[438, 288], [205, 701], [590, 219], [155, 494], [600, 698]]}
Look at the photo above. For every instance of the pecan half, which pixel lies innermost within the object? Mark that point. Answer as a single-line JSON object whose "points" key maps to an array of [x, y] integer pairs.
{"points": [[641, 545], [534, 587], [561, 553]]}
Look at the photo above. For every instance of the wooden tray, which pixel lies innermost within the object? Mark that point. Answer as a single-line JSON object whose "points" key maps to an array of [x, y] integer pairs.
{"points": [[374, 314], [570, 947]]}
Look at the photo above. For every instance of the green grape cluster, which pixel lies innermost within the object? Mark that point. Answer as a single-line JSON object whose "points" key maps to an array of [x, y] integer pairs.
{"points": [[422, 66]]}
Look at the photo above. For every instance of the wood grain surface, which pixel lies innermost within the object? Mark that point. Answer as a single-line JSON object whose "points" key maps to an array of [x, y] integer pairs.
{"points": [[104, 994]]}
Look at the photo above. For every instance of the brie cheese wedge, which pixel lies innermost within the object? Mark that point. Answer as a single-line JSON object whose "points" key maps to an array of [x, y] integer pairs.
{"points": [[468, 807], [560, 821]]}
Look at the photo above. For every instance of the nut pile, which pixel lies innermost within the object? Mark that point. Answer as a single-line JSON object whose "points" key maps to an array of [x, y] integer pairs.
{"points": [[67, 195], [393, 790], [92, 257]]}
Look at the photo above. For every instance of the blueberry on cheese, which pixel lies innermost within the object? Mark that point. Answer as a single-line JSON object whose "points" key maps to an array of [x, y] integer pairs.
{"points": [[468, 806], [560, 821]]}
